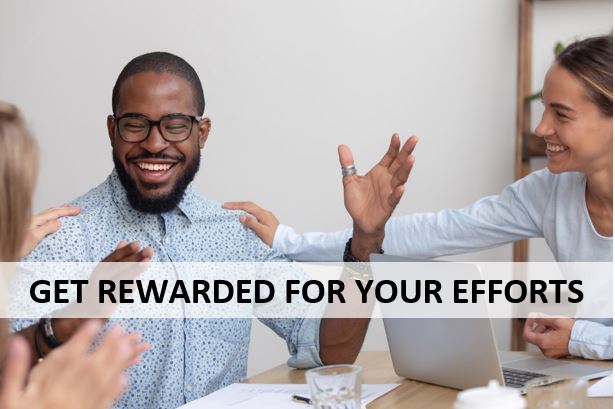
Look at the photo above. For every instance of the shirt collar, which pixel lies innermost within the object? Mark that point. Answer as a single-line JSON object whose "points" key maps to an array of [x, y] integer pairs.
{"points": [[187, 206]]}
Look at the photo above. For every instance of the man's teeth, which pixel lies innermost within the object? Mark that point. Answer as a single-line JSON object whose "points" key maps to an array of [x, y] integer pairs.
{"points": [[556, 148], [154, 166]]}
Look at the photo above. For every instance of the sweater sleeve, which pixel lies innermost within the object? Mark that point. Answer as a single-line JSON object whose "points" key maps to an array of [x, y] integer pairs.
{"points": [[591, 340], [312, 246], [516, 213]]}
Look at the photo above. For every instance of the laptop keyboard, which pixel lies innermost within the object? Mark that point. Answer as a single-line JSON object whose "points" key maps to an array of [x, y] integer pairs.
{"points": [[517, 379]]}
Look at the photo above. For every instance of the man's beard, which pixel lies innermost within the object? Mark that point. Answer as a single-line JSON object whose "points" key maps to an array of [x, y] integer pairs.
{"points": [[159, 204]]}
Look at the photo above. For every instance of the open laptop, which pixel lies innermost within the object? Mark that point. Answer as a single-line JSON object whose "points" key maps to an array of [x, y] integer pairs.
{"points": [[462, 353]]}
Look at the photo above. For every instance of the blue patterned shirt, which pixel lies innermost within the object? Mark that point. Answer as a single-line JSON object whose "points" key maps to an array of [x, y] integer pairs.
{"points": [[189, 358]]}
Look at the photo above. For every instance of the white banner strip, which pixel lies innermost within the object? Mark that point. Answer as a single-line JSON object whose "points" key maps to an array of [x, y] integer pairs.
{"points": [[292, 290]]}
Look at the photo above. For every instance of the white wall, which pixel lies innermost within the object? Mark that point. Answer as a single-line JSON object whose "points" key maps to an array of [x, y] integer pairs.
{"points": [[285, 83]]}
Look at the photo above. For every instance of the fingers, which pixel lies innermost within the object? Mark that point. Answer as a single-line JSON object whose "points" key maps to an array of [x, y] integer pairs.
{"points": [[54, 214], [536, 326], [111, 358], [115, 348], [44, 224], [138, 349], [134, 337], [403, 164], [263, 231], [43, 230], [147, 254], [83, 338], [113, 392], [249, 207], [410, 144], [130, 252], [394, 159], [15, 371], [127, 254], [345, 155], [528, 331], [123, 250], [346, 159], [550, 322], [400, 177], [552, 341], [404, 153], [396, 195], [264, 223], [130, 347], [392, 152]]}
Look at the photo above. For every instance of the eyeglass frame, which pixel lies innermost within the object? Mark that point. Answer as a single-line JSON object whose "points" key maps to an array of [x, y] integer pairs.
{"points": [[156, 124]]}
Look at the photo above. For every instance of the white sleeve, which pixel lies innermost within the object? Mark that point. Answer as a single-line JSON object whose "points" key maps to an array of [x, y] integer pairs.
{"points": [[591, 340], [311, 246], [516, 213]]}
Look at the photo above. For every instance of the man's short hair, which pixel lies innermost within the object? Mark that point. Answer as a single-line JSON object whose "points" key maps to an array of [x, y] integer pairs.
{"points": [[161, 62]]}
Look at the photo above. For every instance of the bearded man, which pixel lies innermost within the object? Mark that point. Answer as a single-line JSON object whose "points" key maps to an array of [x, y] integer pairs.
{"points": [[157, 131]]}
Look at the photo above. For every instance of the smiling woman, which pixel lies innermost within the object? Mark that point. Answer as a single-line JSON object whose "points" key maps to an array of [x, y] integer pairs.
{"points": [[578, 100], [570, 203]]}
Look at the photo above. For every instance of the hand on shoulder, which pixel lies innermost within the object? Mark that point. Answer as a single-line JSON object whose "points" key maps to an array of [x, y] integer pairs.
{"points": [[44, 224], [261, 221]]}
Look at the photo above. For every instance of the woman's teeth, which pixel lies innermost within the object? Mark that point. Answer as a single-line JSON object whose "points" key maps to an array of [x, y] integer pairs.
{"points": [[556, 148], [154, 166]]}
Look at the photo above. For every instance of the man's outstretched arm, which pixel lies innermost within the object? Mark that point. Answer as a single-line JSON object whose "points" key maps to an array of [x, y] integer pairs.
{"points": [[370, 201]]}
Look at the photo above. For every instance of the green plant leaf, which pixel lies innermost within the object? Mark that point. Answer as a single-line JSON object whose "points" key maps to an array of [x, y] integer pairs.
{"points": [[534, 96], [558, 48]]}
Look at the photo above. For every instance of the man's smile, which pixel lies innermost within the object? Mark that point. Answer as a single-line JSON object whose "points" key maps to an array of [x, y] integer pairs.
{"points": [[154, 171]]}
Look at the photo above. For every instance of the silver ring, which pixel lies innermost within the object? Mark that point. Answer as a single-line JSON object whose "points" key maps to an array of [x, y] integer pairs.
{"points": [[349, 170]]}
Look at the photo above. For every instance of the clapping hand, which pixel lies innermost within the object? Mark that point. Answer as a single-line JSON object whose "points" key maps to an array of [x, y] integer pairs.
{"points": [[71, 376]]}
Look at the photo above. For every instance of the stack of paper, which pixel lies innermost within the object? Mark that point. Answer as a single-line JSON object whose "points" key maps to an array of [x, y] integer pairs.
{"points": [[272, 401], [272, 396], [601, 389]]}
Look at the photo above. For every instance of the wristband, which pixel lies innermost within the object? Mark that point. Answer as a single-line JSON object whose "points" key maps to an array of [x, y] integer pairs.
{"points": [[37, 347], [359, 270], [46, 330]]}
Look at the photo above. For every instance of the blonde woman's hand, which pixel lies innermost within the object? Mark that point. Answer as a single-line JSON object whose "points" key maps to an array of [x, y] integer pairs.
{"points": [[264, 223], [44, 224], [71, 376]]}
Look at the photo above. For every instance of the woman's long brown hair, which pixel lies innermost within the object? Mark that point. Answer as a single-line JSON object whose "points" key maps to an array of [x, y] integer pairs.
{"points": [[591, 60]]}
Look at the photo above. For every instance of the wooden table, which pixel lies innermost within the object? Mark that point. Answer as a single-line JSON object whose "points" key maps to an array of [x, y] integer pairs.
{"points": [[378, 368]]}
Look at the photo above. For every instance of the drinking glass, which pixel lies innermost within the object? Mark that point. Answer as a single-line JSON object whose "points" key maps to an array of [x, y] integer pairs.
{"points": [[570, 394], [335, 386]]}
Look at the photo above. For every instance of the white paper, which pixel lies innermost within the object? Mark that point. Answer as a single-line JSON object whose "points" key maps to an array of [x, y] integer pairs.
{"points": [[601, 389], [240, 393], [271, 400]]}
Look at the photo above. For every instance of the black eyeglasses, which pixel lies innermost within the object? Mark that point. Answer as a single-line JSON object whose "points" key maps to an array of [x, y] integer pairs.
{"points": [[135, 128]]}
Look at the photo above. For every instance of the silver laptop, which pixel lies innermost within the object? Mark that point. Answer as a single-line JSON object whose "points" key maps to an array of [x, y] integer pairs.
{"points": [[462, 353]]}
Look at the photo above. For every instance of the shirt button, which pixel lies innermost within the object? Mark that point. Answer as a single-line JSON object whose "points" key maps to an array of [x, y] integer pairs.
{"points": [[166, 240], [189, 387]]}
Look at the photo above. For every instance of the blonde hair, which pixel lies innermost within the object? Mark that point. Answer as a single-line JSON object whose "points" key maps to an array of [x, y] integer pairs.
{"points": [[18, 168]]}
